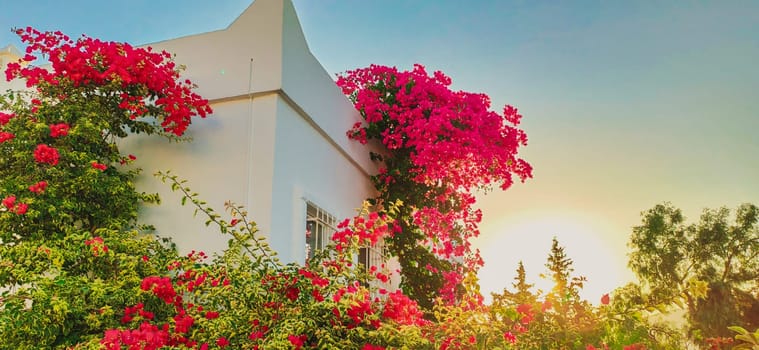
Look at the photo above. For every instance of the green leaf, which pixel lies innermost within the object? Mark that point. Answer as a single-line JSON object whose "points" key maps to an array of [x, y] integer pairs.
{"points": [[738, 329]]}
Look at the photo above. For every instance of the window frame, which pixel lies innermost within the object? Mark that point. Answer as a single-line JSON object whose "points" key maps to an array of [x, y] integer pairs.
{"points": [[320, 225]]}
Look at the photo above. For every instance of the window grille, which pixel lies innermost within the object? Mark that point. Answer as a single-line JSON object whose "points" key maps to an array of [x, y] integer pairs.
{"points": [[372, 256], [320, 226]]}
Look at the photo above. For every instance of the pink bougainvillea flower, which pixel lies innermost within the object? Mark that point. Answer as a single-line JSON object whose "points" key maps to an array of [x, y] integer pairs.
{"points": [[446, 143], [403, 310], [93, 62]]}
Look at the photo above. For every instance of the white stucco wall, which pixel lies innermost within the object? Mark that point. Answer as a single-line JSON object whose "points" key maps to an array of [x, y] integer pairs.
{"points": [[9, 54], [306, 82], [308, 167], [228, 151], [219, 61], [289, 148], [276, 137]]}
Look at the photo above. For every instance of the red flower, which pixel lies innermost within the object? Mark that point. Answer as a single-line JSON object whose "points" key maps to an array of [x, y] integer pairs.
{"points": [[5, 118], [97, 245], [9, 202], [222, 342], [372, 347], [18, 208], [161, 287], [58, 130], [509, 337], [212, 315], [524, 309], [21, 208], [546, 306], [130, 158], [317, 295], [46, 154], [292, 293], [297, 341], [39, 187], [6, 136], [183, 322], [605, 299], [98, 166], [401, 309]]}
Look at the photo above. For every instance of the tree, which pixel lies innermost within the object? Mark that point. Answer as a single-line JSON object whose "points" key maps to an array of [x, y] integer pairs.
{"points": [[712, 265], [559, 268], [523, 294], [72, 254], [438, 146], [570, 320], [561, 319]]}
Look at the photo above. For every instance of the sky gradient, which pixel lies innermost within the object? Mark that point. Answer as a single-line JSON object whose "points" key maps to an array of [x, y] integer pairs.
{"points": [[626, 104]]}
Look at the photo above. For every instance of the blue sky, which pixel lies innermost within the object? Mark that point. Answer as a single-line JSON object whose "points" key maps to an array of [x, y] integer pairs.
{"points": [[627, 104]]}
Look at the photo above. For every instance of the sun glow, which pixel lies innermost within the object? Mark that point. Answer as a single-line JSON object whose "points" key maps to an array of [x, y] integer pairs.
{"points": [[527, 237]]}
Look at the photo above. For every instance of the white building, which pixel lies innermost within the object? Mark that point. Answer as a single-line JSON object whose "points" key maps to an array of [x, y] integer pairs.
{"points": [[275, 143]]}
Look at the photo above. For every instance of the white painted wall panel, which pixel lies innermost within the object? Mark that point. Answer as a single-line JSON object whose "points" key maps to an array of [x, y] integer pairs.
{"points": [[308, 166], [220, 164]]}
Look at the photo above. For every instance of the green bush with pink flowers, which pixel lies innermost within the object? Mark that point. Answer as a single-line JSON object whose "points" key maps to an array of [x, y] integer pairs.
{"points": [[79, 271]]}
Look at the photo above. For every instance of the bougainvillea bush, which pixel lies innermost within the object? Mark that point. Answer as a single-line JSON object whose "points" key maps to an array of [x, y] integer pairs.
{"points": [[72, 254], [439, 146], [78, 271], [246, 299]]}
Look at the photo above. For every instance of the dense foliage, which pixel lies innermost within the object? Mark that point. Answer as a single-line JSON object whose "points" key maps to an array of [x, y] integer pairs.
{"points": [[719, 254], [72, 255], [561, 319], [246, 299], [438, 146], [78, 271]]}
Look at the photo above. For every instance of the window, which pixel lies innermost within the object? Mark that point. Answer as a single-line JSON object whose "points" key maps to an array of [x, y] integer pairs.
{"points": [[372, 256], [320, 225]]}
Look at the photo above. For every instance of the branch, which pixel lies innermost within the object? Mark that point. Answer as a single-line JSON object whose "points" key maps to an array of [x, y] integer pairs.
{"points": [[261, 246]]}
